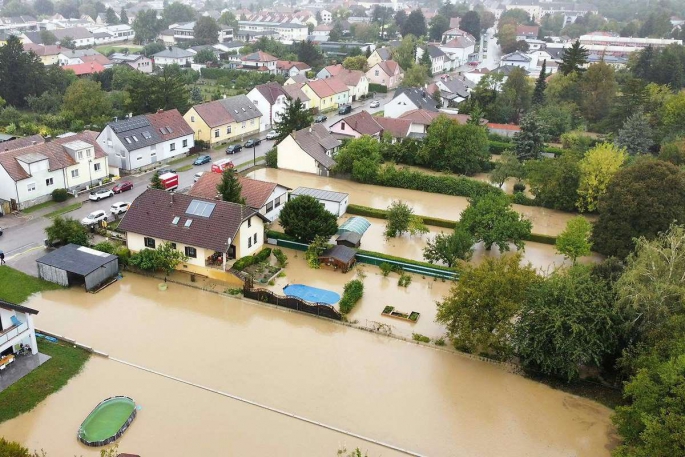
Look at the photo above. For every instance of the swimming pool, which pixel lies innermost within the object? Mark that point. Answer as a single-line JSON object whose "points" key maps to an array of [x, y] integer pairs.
{"points": [[108, 421], [312, 294]]}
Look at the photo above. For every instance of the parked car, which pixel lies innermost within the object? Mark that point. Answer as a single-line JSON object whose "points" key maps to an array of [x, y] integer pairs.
{"points": [[122, 187], [253, 142], [345, 109], [272, 135], [94, 217], [163, 171], [198, 175], [375, 104], [119, 207], [202, 160], [320, 118], [100, 194], [232, 149]]}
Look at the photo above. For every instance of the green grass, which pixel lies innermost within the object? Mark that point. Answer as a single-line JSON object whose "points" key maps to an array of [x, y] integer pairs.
{"points": [[39, 206], [181, 159], [64, 210], [379, 113], [106, 49], [185, 168], [249, 163], [29, 391], [22, 285]]}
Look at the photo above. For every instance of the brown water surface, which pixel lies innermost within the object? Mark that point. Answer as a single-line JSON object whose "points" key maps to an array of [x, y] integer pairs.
{"points": [[431, 401]]}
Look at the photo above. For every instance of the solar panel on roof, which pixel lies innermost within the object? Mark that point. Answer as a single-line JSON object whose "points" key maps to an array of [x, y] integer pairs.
{"points": [[129, 124], [200, 208]]}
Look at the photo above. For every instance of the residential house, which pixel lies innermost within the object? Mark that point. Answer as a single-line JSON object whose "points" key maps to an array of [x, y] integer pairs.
{"points": [[453, 33], [16, 328], [421, 118], [113, 33], [326, 16], [259, 61], [329, 71], [519, 59], [289, 68], [386, 73], [476, 75], [296, 79], [408, 99], [224, 120], [309, 150], [148, 139], [85, 69], [294, 92], [49, 54], [326, 94], [136, 61], [30, 168], [322, 31], [78, 56], [356, 125], [81, 36], [398, 129], [379, 55], [438, 58], [285, 32], [356, 81], [459, 50], [185, 32], [453, 89], [173, 55], [270, 99], [210, 233], [333, 202], [527, 32], [266, 197]]}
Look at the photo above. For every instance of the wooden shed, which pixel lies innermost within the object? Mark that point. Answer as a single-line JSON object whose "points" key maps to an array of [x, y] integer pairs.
{"points": [[78, 265], [339, 257], [349, 239]]}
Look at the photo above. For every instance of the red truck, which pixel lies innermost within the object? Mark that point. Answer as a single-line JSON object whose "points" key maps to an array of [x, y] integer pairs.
{"points": [[169, 181]]}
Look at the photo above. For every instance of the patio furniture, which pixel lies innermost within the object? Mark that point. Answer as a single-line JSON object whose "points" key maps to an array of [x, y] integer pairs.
{"points": [[5, 361]]}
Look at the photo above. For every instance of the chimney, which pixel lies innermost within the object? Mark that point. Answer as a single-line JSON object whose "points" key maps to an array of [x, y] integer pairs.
{"points": [[310, 129], [160, 110], [294, 132]]}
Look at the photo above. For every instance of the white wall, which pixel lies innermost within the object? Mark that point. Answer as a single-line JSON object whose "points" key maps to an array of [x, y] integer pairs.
{"points": [[8, 190], [270, 113], [280, 193], [136, 242], [245, 233], [83, 167], [336, 208], [398, 106], [292, 157]]}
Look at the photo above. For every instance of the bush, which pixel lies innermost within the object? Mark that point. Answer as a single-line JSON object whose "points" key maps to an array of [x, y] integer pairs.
{"points": [[14, 449], [499, 138], [279, 235], [60, 195], [519, 187], [498, 147], [439, 342], [105, 246], [271, 158], [281, 258], [386, 268], [243, 263], [353, 292], [124, 255], [420, 337], [378, 88], [405, 280], [262, 255], [521, 199]]}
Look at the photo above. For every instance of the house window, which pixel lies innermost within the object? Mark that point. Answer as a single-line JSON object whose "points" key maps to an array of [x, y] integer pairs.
{"points": [[216, 133], [153, 156], [149, 242], [252, 122], [172, 147], [185, 143], [376, 72], [255, 239], [192, 118], [49, 182], [80, 155], [269, 207], [74, 173], [244, 124], [228, 130], [342, 126], [173, 246], [96, 167], [88, 152], [249, 222], [109, 143], [277, 202], [31, 186], [249, 242], [191, 252]]}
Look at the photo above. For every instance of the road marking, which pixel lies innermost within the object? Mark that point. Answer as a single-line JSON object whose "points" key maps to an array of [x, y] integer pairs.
{"points": [[35, 246]]}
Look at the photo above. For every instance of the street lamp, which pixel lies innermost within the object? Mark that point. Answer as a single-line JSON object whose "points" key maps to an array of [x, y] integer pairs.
{"points": [[254, 154], [90, 175]]}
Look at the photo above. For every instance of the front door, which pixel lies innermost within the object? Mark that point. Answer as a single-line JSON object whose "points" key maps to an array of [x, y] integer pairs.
{"points": [[231, 252]]}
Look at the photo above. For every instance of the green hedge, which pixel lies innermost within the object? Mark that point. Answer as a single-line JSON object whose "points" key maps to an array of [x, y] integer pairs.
{"points": [[556, 151], [380, 88], [352, 294], [279, 236], [243, 263], [403, 260], [263, 255], [544, 239], [498, 147]]}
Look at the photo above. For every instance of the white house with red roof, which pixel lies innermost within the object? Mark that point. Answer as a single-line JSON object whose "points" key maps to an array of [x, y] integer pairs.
{"points": [[259, 61], [271, 100], [290, 68]]}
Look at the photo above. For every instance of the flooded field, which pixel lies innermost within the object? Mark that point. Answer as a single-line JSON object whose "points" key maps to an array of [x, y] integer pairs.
{"points": [[545, 221], [430, 401]]}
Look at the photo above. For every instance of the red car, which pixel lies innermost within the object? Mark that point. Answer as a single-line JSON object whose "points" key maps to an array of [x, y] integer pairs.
{"points": [[122, 187]]}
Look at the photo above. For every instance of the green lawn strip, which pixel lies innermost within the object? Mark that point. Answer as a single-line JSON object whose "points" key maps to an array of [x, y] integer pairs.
{"points": [[181, 159], [29, 391], [379, 113], [185, 168], [35, 208], [434, 221], [19, 286], [64, 210], [249, 163]]}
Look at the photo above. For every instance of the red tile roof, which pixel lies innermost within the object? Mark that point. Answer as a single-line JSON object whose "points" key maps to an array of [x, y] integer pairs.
{"points": [[99, 58], [511, 127], [321, 88], [389, 67], [170, 118], [87, 68], [44, 50], [425, 117], [527, 30], [334, 69], [255, 192], [363, 123], [259, 56], [397, 128], [287, 65], [350, 77]]}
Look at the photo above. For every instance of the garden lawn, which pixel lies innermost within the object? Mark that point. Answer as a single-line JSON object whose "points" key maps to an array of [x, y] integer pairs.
{"points": [[29, 391], [22, 285], [38, 206], [64, 210]]}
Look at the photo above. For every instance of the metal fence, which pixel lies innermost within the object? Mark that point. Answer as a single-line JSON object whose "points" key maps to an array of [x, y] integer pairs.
{"points": [[267, 296]]}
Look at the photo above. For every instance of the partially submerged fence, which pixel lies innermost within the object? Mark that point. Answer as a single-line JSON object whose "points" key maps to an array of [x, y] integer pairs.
{"points": [[267, 296]]}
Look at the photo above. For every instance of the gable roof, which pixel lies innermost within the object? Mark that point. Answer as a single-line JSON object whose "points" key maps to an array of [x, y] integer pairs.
{"points": [[384, 53], [86, 68], [350, 77], [44, 50], [397, 128], [327, 87], [148, 129], [54, 151], [460, 42], [76, 33], [288, 64], [315, 141], [238, 108], [259, 56], [271, 91], [152, 214], [528, 30], [434, 52], [294, 92], [516, 56], [363, 123], [255, 192], [21, 143], [173, 53], [418, 96], [389, 67], [334, 69]]}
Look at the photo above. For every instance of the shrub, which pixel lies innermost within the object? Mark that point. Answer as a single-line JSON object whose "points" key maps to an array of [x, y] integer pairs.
{"points": [[262, 255], [378, 88], [234, 291], [105, 246], [243, 263], [420, 337], [13, 449], [352, 293], [124, 255], [498, 147], [279, 235], [60, 195], [271, 158], [405, 280], [281, 258], [439, 342], [386, 268], [521, 199]]}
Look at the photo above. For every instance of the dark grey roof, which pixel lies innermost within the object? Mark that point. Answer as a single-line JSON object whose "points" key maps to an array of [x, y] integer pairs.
{"points": [[173, 53], [350, 237], [319, 194], [34, 37], [340, 253], [434, 52], [15, 307], [135, 133], [457, 86], [316, 141], [516, 56], [384, 53], [507, 69], [419, 97], [77, 259], [76, 33]]}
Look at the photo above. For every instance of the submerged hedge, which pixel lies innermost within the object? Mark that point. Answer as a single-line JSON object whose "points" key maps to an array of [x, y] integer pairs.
{"points": [[459, 186], [353, 292]]}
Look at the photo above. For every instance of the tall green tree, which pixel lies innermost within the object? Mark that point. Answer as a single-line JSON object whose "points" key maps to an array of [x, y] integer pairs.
{"points": [[517, 91], [229, 19], [449, 146], [438, 25], [67, 230], [401, 219], [86, 101], [21, 73], [414, 25], [111, 17], [416, 76], [229, 188], [205, 56], [310, 54], [405, 53], [507, 167], [554, 182], [470, 22], [540, 86], [47, 37], [294, 118], [170, 90], [304, 218], [177, 12], [641, 200], [492, 220], [529, 142], [479, 311], [573, 59], [636, 134], [146, 26], [206, 31], [155, 182], [598, 88], [449, 248], [597, 168], [574, 241], [123, 17], [361, 157]]}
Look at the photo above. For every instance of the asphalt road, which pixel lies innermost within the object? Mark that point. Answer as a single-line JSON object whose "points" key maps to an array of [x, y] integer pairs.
{"points": [[23, 239]]}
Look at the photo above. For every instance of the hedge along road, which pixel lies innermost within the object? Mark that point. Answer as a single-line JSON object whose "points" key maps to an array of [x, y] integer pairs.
{"points": [[545, 221]]}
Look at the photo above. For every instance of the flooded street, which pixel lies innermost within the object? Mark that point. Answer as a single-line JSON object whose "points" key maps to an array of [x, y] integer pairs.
{"points": [[545, 221], [430, 401]]}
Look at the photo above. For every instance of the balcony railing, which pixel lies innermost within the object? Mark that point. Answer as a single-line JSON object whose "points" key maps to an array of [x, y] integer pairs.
{"points": [[13, 331]]}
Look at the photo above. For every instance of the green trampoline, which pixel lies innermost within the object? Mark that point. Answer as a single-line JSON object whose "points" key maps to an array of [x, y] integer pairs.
{"points": [[108, 421]]}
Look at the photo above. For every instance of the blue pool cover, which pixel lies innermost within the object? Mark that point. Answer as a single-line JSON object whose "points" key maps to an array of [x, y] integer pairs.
{"points": [[312, 294]]}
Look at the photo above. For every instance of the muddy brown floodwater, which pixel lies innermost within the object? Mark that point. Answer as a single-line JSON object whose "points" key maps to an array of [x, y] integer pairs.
{"points": [[545, 221], [434, 402]]}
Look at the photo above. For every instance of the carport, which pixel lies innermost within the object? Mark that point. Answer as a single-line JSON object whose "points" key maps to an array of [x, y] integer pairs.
{"points": [[74, 265]]}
